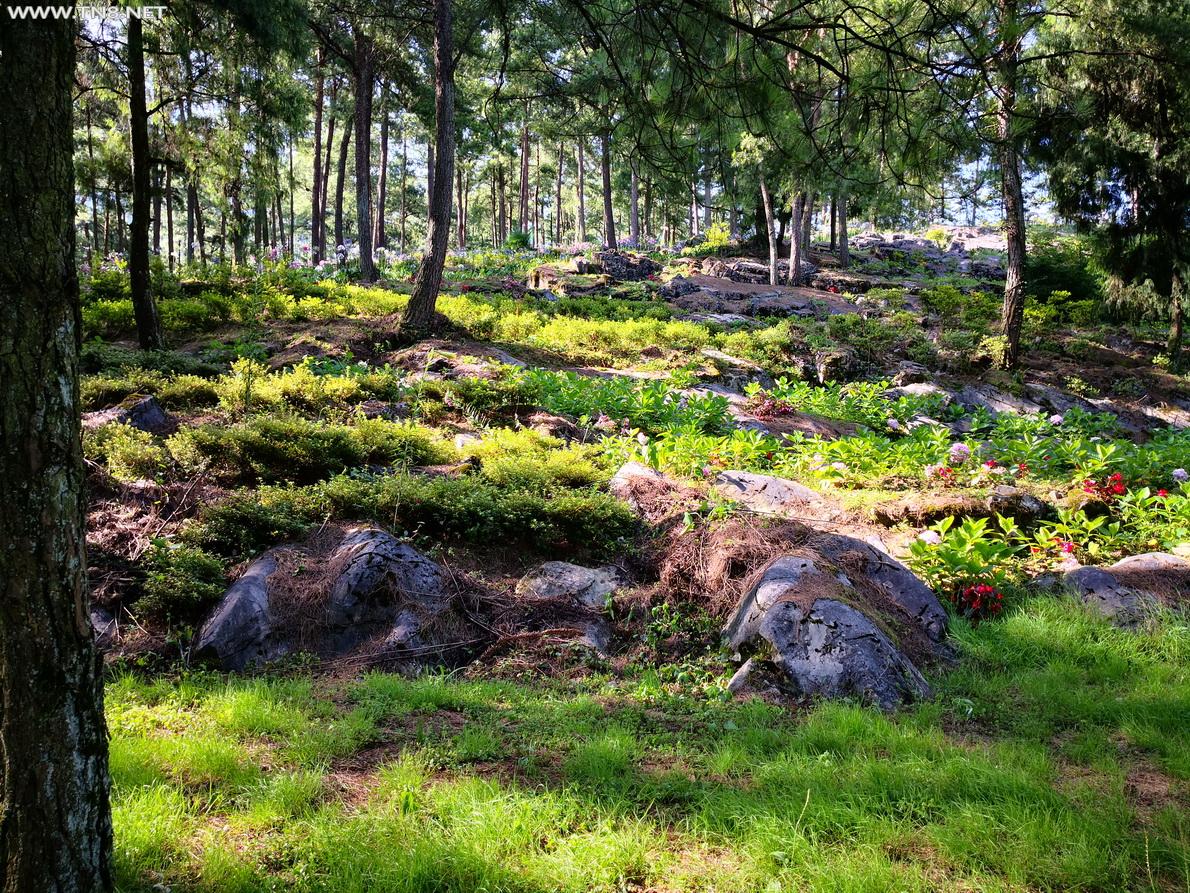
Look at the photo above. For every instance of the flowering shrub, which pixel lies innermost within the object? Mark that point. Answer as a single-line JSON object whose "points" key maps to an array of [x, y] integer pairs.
{"points": [[968, 564], [1108, 489]]}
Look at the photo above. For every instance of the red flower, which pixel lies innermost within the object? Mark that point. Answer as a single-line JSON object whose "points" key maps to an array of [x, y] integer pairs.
{"points": [[1162, 493]]}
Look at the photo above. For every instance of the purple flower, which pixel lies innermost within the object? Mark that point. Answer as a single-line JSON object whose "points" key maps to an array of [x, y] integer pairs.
{"points": [[958, 454], [1180, 475], [1056, 419]]}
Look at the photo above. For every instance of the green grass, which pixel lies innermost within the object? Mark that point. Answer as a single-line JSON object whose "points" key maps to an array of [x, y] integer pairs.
{"points": [[1015, 777]]}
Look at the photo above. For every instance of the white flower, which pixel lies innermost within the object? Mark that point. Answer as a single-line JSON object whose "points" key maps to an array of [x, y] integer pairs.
{"points": [[930, 537], [1056, 419], [839, 466]]}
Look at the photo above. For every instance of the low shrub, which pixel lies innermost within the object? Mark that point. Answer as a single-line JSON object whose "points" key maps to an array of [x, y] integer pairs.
{"points": [[129, 453], [180, 581]]}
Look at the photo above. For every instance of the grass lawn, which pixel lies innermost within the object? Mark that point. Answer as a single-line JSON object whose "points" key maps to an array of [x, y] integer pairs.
{"points": [[1056, 757]]}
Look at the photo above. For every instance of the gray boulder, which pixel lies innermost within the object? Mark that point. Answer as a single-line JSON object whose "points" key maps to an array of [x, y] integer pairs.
{"points": [[769, 495], [382, 585], [240, 631], [912, 599], [1101, 590], [587, 587], [802, 618], [144, 413], [832, 650], [103, 625]]}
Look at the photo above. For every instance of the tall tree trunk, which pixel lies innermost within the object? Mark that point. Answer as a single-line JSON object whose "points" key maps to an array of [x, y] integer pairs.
{"points": [[770, 226], [502, 194], [1177, 309], [200, 229], [558, 196], [795, 240], [324, 190], [340, 180], [144, 308], [1013, 313], [605, 164], [648, 208], [94, 188], [418, 317], [316, 221], [429, 175], [156, 178], [460, 223], [844, 251], [523, 207], [404, 182], [537, 237], [365, 81], [808, 221], [707, 193], [55, 822], [633, 205], [834, 229], [495, 219], [169, 215], [581, 192], [292, 216], [381, 239]]}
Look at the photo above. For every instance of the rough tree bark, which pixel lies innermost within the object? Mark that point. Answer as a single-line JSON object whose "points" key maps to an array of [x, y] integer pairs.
{"points": [[581, 193], [144, 308], [770, 226], [558, 196], [340, 180], [365, 80], [381, 237], [1013, 314], [844, 250], [634, 206], [55, 822], [795, 240], [316, 183], [418, 319], [605, 163], [523, 207]]}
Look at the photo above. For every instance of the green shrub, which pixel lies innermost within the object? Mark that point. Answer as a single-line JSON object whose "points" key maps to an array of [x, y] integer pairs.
{"points": [[108, 317], [292, 449], [180, 580], [247, 523], [129, 453], [188, 391]]}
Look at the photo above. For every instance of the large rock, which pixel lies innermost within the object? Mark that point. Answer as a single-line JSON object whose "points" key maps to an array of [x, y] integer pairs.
{"points": [[832, 650], [737, 373], [769, 495], [801, 615], [382, 585], [623, 266], [587, 587], [103, 625], [907, 596], [144, 413], [1012, 502], [1101, 590], [240, 631], [1133, 586]]}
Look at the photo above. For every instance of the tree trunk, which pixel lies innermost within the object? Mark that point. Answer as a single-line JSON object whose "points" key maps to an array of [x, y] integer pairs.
{"points": [[808, 222], [381, 239], [495, 219], [144, 308], [634, 206], [169, 215], [365, 81], [1177, 312], [706, 201], [429, 175], [418, 317], [648, 208], [558, 196], [1013, 314], [795, 240], [156, 178], [55, 822], [292, 215], [94, 198], [340, 180], [460, 223], [834, 230], [844, 252], [523, 207], [770, 225], [316, 221], [502, 195], [324, 190], [404, 182], [605, 163], [200, 229], [581, 193]]}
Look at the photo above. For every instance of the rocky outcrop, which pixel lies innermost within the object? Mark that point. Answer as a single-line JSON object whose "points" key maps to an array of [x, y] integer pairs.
{"points": [[373, 597], [144, 413], [625, 267], [1132, 587], [585, 586], [240, 632], [769, 495], [803, 617], [927, 508]]}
